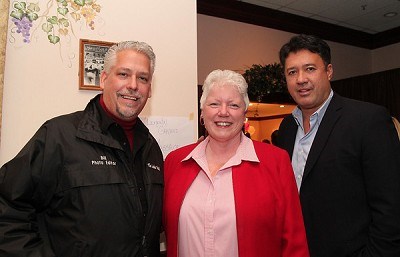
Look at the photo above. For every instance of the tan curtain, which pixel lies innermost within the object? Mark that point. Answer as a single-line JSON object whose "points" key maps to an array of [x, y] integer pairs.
{"points": [[4, 5]]}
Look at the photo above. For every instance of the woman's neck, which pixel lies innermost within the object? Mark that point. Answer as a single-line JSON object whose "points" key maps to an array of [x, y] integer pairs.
{"points": [[218, 153]]}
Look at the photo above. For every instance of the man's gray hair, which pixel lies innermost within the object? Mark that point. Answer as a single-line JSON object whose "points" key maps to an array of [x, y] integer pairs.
{"points": [[141, 47]]}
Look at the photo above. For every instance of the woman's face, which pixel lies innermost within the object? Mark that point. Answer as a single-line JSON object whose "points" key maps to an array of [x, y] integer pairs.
{"points": [[224, 112]]}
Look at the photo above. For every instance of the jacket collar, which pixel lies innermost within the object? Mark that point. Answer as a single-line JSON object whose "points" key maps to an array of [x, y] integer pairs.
{"points": [[333, 113], [95, 123]]}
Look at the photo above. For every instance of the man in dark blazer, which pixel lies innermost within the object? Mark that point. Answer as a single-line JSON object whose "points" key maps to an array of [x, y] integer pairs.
{"points": [[346, 160]]}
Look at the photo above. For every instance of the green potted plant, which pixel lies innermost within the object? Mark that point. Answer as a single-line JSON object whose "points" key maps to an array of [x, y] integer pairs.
{"points": [[267, 84]]}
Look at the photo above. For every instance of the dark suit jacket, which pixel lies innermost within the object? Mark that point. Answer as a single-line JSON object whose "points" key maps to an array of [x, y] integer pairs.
{"points": [[350, 192]]}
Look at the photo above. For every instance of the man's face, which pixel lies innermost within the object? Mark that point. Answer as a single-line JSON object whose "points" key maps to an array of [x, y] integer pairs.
{"points": [[127, 86], [308, 79]]}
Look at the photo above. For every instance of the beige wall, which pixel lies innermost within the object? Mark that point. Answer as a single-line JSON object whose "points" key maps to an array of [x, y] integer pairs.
{"points": [[386, 58], [41, 79], [226, 44]]}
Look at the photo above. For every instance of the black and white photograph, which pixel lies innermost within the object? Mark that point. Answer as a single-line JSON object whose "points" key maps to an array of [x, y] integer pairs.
{"points": [[92, 54]]}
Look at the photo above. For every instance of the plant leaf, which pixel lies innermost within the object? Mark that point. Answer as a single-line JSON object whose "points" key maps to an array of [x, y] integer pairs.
{"points": [[96, 7], [53, 20], [20, 5], [53, 39], [32, 16], [63, 22], [80, 2], [33, 7], [62, 10], [47, 27], [17, 14], [63, 31], [76, 16]]}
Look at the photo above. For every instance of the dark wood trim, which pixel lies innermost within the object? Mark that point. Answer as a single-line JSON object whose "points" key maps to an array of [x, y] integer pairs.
{"points": [[261, 16], [386, 38]]}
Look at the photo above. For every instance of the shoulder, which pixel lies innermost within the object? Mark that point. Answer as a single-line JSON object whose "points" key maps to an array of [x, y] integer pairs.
{"points": [[356, 105], [355, 111], [67, 122], [173, 162], [268, 152], [181, 152]]}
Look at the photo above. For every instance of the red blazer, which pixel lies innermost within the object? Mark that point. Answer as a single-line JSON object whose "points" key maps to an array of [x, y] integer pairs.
{"points": [[268, 213]]}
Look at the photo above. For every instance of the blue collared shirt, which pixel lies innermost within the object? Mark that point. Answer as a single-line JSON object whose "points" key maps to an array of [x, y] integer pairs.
{"points": [[304, 141]]}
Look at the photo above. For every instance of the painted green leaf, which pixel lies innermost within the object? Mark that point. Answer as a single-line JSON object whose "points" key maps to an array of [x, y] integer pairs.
{"points": [[89, 2], [20, 5], [32, 16], [63, 22], [63, 2], [53, 39], [33, 7], [52, 20], [62, 10], [47, 27], [17, 14], [80, 2]]}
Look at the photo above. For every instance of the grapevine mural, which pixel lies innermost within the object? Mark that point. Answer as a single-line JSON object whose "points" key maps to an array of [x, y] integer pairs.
{"points": [[54, 21]]}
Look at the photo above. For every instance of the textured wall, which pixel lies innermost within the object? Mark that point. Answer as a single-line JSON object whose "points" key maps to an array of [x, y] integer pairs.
{"points": [[3, 38]]}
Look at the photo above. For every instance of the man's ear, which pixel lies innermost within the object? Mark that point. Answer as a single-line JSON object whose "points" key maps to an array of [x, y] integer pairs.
{"points": [[329, 71], [103, 77], [149, 91]]}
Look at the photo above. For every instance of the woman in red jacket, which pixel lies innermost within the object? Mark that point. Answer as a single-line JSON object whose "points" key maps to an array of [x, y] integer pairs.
{"points": [[229, 195]]}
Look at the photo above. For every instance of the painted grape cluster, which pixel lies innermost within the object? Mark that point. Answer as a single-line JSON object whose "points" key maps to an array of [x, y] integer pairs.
{"points": [[24, 26], [56, 25], [23, 16]]}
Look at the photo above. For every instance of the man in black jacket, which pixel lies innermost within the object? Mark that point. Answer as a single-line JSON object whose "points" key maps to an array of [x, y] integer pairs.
{"points": [[89, 183], [346, 159]]}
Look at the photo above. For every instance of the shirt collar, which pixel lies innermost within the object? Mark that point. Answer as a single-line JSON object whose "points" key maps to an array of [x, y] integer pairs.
{"points": [[298, 115], [245, 151]]}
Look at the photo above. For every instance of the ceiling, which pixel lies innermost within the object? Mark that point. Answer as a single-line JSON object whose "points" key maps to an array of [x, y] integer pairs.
{"points": [[359, 23], [370, 16]]}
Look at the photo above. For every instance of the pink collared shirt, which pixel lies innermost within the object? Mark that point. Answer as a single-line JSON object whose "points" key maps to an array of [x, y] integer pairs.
{"points": [[207, 220]]}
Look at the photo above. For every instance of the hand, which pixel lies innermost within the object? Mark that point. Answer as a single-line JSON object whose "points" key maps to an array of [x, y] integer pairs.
{"points": [[200, 139]]}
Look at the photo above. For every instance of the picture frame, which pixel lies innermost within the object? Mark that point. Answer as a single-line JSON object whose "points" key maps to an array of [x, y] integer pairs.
{"points": [[91, 62]]}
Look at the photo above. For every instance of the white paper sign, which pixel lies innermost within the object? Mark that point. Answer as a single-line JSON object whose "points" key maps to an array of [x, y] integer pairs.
{"points": [[170, 132]]}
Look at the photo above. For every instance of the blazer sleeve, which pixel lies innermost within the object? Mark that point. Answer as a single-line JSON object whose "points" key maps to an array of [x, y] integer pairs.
{"points": [[381, 170]]}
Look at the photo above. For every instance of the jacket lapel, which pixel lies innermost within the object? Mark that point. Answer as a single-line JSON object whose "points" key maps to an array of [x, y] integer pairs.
{"points": [[328, 122]]}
